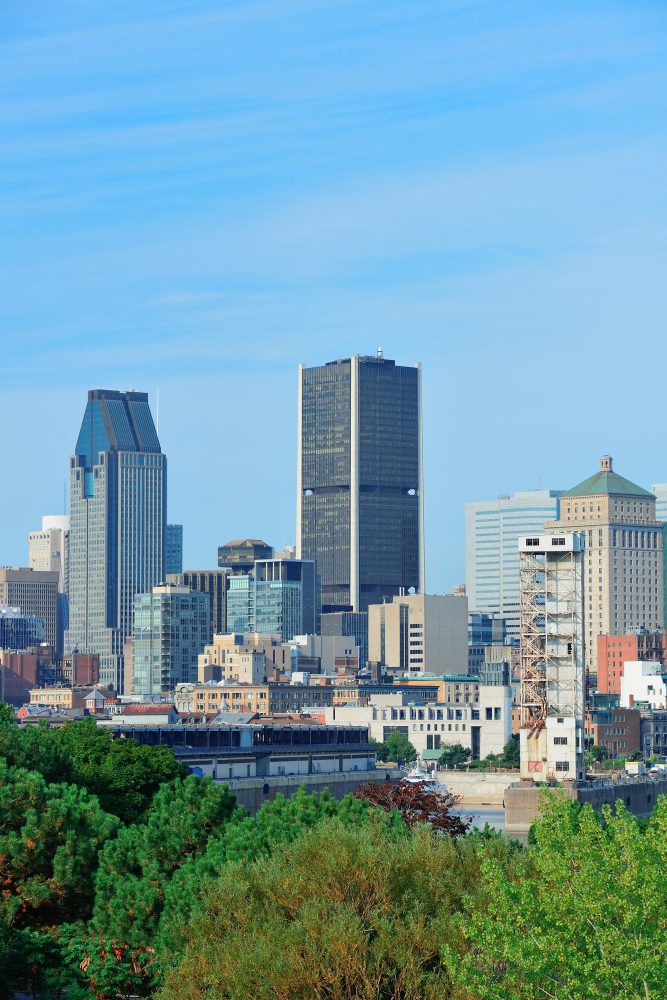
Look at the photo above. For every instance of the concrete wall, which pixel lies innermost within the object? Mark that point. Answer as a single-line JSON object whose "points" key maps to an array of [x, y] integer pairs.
{"points": [[477, 787], [523, 803], [253, 792]]}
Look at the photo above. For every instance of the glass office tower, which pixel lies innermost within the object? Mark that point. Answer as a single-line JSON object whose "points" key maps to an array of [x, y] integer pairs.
{"points": [[171, 628], [360, 480], [173, 553], [118, 501]]}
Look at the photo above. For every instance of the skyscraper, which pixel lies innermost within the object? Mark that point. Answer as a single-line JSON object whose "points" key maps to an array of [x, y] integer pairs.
{"points": [[360, 480], [48, 549], [173, 554], [493, 528], [623, 555], [35, 592], [118, 501]]}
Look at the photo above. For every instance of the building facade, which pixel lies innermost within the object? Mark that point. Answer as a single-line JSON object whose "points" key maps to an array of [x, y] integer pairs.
{"points": [[173, 551], [267, 699], [241, 554], [360, 480], [353, 625], [623, 555], [493, 529], [171, 628], [286, 601], [118, 503], [615, 650], [19, 631], [207, 581], [48, 548], [552, 657], [36, 593], [420, 634]]}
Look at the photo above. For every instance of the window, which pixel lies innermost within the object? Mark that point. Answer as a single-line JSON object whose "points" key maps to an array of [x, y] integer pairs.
{"points": [[489, 714], [558, 541], [532, 541], [560, 741], [562, 765]]}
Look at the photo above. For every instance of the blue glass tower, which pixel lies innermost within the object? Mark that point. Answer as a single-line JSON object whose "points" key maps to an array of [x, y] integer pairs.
{"points": [[118, 502]]}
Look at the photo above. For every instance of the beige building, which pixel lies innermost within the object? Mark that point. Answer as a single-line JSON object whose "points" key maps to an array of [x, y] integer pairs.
{"points": [[420, 634], [35, 593], [247, 659], [267, 699], [48, 548], [623, 556]]}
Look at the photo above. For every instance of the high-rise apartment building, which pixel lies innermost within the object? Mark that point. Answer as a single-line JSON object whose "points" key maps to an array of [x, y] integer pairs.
{"points": [[493, 528], [48, 548], [207, 581], [36, 594], [118, 502], [173, 553], [171, 629], [360, 480], [623, 555]]}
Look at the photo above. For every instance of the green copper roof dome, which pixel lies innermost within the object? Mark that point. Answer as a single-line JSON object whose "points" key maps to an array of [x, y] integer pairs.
{"points": [[607, 481]]}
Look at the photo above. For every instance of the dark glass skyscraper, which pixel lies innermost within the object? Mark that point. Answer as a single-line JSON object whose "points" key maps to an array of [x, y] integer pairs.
{"points": [[118, 502], [360, 481]]}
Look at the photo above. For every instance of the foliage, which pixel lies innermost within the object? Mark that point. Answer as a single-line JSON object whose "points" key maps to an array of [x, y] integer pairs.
{"points": [[581, 915], [636, 755], [50, 836], [396, 748], [136, 867], [122, 774], [416, 803], [454, 755], [341, 912], [596, 754], [109, 969]]}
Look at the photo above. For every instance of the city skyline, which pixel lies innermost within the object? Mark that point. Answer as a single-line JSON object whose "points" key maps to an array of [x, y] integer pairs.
{"points": [[479, 189]]}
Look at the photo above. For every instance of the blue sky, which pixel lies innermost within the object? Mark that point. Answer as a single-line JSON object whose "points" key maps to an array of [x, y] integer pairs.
{"points": [[195, 196]]}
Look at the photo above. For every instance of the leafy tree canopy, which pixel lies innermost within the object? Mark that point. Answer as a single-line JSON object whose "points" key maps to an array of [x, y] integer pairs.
{"points": [[396, 748]]}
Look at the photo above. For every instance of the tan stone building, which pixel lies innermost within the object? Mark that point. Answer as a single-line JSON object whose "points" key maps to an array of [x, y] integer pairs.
{"points": [[267, 699], [249, 659], [420, 634], [623, 555]]}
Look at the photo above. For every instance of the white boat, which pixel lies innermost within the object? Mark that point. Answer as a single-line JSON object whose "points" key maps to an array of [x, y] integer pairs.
{"points": [[417, 774]]}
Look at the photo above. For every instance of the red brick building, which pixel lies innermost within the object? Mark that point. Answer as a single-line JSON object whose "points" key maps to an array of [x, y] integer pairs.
{"points": [[616, 729], [614, 650]]}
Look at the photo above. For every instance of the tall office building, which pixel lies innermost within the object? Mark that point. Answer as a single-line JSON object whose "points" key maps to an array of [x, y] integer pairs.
{"points": [[360, 480], [171, 629], [118, 502], [279, 597], [493, 529], [35, 592], [659, 490], [286, 599], [173, 553], [623, 555], [240, 555], [420, 634], [48, 548], [19, 631], [207, 581]]}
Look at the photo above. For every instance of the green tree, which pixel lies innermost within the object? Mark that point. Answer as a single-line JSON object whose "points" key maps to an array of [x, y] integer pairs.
{"points": [[135, 868], [579, 915], [50, 836], [416, 803], [343, 911], [454, 755], [123, 774], [511, 755], [397, 748]]}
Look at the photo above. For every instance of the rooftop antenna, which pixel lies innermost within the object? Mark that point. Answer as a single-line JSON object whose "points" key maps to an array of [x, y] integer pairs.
{"points": [[380, 353], [157, 411]]}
